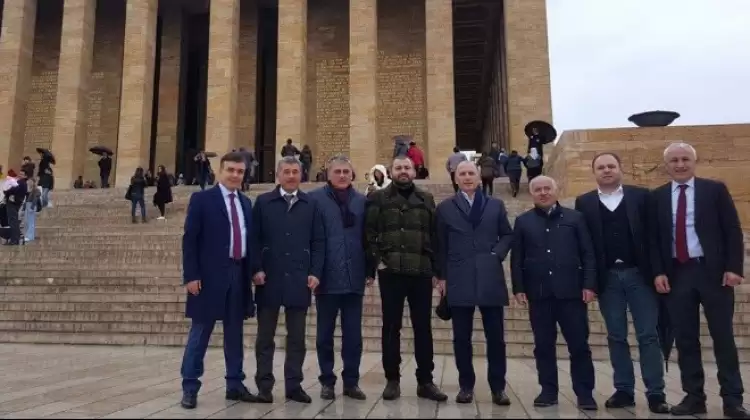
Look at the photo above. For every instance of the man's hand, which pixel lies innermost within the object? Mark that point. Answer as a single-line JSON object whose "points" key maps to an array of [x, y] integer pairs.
{"points": [[382, 266], [662, 284], [588, 295], [435, 282], [312, 282], [440, 286], [194, 287], [259, 278], [369, 281], [521, 299], [732, 280]]}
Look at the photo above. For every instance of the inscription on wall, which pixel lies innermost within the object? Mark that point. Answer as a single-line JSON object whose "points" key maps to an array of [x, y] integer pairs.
{"points": [[332, 107], [40, 115]]}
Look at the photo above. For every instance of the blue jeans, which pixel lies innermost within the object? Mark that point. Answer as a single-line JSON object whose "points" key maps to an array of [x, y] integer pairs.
{"points": [[328, 308], [627, 288], [138, 200], [30, 222]]}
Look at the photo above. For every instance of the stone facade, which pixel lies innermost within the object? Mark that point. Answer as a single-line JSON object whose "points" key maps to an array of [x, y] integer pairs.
{"points": [[350, 75]]}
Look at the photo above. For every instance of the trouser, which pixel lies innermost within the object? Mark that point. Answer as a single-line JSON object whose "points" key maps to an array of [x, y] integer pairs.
{"points": [[30, 220], [394, 289], [200, 333], [104, 180], [514, 177], [45, 198], [162, 208], [627, 288], [265, 347], [494, 333], [572, 316], [138, 201], [453, 181], [693, 286], [328, 308], [202, 179], [14, 223], [488, 186]]}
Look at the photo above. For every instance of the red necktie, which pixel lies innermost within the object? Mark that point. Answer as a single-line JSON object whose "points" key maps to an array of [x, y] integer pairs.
{"points": [[236, 232], [680, 232]]}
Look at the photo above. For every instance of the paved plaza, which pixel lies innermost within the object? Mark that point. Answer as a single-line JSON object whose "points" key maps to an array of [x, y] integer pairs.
{"points": [[59, 381]]}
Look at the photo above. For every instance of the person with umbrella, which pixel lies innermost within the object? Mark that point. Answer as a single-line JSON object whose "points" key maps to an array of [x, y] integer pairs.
{"points": [[539, 134], [617, 217], [105, 163], [202, 168]]}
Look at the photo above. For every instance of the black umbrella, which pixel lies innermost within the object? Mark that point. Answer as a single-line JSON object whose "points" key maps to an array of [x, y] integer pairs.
{"points": [[100, 150], [664, 331], [547, 132], [46, 154]]}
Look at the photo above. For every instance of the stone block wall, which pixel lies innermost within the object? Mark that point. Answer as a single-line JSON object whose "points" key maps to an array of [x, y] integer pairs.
{"points": [[248, 52], [723, 154]]}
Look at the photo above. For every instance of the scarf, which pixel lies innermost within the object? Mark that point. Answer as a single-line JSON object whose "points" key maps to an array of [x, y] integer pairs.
{"points": [[477, 208], [341, 197]]}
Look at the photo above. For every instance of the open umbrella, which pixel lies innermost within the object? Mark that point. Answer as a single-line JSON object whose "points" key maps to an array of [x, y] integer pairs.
{"points": [[46, 153], [664, 331], [100, 150], [547, 133]]}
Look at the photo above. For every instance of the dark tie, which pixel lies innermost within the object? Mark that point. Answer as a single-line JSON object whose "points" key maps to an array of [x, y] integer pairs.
{"points": [[236, 232], [288, 198], [680, 233]]}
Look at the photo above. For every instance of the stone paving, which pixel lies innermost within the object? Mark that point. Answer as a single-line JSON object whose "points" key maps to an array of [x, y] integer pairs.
{"points": [[59, 381]]}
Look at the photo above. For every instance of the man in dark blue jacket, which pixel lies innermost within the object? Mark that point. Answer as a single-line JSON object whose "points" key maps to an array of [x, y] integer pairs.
{"points": [[289, 251], [342, 285], [553, 267]]}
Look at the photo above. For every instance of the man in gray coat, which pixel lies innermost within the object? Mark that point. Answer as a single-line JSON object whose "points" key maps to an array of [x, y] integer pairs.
{"points": [[474, 237]]}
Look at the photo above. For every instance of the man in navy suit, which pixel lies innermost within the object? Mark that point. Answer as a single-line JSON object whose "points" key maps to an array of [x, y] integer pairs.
{"points": [[216, 273]]}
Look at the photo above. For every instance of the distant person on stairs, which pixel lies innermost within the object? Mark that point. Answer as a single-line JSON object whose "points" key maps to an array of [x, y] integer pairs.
{"points": [[488, 171], [452, 163], [378, 179], [514, 169], [216, 260], [31, 208], [105, 168], [533, 163], [136, 194], [163, 195]]}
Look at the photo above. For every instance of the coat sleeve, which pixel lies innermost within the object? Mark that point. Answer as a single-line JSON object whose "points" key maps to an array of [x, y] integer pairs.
{"points": [[732, 231], [588, 259], [517, 258], [504, 234], [654, 229], [191, 241], [433, 235], [441, 229], [372, 216], [256, 260], [317, 244]]}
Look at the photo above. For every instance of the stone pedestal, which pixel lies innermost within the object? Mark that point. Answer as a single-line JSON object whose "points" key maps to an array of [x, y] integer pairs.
{"points": [[441, 113], [167, 128], [16, 47], [134, 134], [363, 84], [73, 80], [291, 97]]}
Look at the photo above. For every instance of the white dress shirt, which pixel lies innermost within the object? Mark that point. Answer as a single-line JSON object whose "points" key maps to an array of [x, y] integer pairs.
{"points": [[612, 200], [694, 244], [468, 200], [294, 194], [240, 214]]}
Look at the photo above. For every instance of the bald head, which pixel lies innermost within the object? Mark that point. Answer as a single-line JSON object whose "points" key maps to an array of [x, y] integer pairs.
{"points": [[467, 177], [542, 180], [543, 190]]}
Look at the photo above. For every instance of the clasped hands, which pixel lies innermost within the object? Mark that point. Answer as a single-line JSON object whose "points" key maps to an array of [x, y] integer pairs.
{"points": [[259, 279], [728, 280]]}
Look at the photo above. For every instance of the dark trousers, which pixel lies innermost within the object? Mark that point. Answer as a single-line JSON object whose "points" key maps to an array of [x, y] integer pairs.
{"points": [[14, 223], [693, 286], [453, 181], [105, 180], [572, 316], [627, 288], [488, 186], [202, 180], [394, 289], [200, 333], [514, 177], [494, 333], [350, 308], [162, 208], [265, 347]]}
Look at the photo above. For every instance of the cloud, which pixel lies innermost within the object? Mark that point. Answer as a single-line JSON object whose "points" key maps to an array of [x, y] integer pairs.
{"points": [[610, 59]]}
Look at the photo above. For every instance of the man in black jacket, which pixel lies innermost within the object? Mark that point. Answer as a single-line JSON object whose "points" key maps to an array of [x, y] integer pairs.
{"points": [[553, 267], [14, 198], [697, 256], [617, 217]]}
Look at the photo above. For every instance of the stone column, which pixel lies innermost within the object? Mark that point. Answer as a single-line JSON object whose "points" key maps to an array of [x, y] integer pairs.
{"points": [[223, 78], [16, 48], [291, 96], [169, 89], [136, 100], [441, 113], [363, 84], [73, 80]]}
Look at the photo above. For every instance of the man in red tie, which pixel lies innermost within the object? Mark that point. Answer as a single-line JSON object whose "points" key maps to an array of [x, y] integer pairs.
{"points": [[697, 258]]}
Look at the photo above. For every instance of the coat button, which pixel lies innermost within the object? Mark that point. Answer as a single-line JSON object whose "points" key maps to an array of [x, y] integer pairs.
{"points": [[287, 254], [288, 234], [550, 273], [549, 250]]}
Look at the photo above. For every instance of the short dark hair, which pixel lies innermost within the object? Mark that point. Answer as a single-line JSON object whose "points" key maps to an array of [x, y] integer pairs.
{"points": [[613, 154], [456, 149], [234, 157]]}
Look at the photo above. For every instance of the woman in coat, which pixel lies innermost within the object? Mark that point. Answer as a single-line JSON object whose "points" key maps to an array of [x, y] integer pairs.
{"points": [[163, 195], [378, 179], [136, 193], [487, 170]]}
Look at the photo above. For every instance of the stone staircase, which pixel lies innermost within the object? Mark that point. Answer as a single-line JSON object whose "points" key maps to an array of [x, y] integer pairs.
{"points": [[93, 277]]}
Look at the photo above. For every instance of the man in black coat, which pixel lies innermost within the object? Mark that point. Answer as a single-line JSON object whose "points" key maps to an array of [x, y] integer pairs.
{"points": [[553, 267], [698, 258], [617, 217]]}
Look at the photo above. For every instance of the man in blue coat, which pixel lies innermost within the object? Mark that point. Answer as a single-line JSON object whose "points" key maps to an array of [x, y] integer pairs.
{"points": [[217, 273], [342, 286], [474, 237], [289, 251]]}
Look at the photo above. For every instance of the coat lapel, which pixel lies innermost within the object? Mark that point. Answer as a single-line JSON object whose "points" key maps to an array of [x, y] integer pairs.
{"points": [[221, 203], [666, 213], [593, 203], [697, 206], [631, 209]]}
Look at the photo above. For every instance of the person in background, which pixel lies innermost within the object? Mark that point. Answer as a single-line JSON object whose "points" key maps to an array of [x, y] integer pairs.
{"points": [[105, 168], [502, 158], [33, 205], [27, 167], [289, 149], [417, 156], [400, 146], [487, 171], [514, 169], [163, 195], [14, 199], [452, 163], [150, 179], [202, 169], [137, 193], [78, 183], [377, 179], [46, 178], [306, 159], [533, 163]]}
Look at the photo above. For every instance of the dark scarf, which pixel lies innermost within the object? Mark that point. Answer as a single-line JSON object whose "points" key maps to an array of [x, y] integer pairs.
{"points": [[477, 208], [404, 188], [341, 197]]}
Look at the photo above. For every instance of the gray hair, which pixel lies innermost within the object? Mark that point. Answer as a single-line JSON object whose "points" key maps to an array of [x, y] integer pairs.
{"points": [[540, 178], [467, 162], [287, 160], [680, 145], [339, 159]]}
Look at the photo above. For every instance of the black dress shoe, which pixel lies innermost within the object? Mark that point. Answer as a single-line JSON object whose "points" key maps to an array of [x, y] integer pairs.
{"points": [[545, 400], [688, 407], [299, 395], [189, 401], [736, 412], [620, 399], [327, 393], [264, 397], [500, 398], [587, 403], [431, 392], [355, 393], [657, 404], [465, 396], [241, 394], [392, 391]]}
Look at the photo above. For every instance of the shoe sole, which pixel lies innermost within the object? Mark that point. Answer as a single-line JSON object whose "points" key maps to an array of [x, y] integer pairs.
{"points": [[549, 404]]}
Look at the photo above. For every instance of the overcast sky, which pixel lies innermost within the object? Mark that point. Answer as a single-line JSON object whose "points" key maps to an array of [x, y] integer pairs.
{"points": [[613, 58]]}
